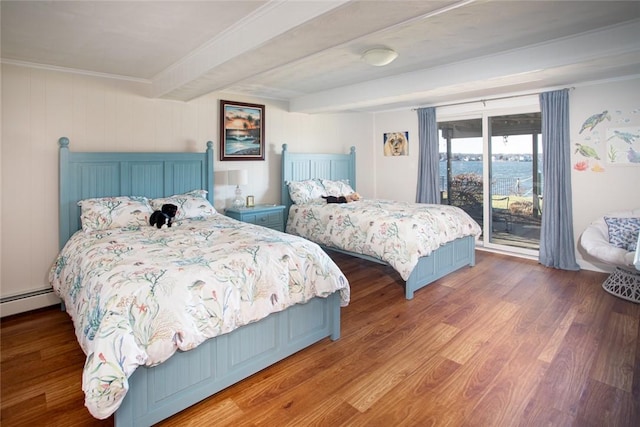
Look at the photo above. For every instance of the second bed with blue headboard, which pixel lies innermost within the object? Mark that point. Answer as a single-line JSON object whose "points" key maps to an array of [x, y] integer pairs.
{"points": [[422, 242]]}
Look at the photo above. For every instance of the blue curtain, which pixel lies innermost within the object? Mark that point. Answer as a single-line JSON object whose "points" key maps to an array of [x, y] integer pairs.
{"points": [[428, 190], [557, 248]]}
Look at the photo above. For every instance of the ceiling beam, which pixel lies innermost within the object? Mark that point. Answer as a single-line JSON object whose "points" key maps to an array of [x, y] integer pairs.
{"points": [[269, 21]]}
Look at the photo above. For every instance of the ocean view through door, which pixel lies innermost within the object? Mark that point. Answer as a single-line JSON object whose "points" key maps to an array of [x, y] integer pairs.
{"points": [[506, 152]]}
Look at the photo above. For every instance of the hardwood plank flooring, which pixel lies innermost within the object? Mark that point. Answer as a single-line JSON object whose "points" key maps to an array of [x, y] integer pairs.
{"points": [[505, 343]]}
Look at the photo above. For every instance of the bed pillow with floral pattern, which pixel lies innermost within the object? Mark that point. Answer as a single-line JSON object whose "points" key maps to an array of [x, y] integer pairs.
{"points": [[306, 191], [337, 188], [191, 205], [114, 212]]}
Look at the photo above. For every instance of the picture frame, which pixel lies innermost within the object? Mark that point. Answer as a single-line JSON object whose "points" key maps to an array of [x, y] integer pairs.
{"points": [[396, 144], [241, 131], [250, 202]]}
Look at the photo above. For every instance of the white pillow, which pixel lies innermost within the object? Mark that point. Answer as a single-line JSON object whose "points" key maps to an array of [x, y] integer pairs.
{"points": [[307, 191], [114, 212], [192, 204], [337, 188]]}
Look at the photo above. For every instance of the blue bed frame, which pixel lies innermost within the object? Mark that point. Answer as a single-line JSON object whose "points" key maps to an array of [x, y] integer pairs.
{"points": [[187, 377], [446, 259]]}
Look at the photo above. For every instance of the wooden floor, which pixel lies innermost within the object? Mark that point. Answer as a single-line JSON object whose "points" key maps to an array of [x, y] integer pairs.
{"points": [[505, 343]]}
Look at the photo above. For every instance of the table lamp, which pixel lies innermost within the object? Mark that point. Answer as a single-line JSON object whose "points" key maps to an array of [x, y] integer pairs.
{"points": [[238, 178]]}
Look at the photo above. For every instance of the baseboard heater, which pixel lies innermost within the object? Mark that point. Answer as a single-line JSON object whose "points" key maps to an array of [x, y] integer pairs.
{"points": [[28, 301]]}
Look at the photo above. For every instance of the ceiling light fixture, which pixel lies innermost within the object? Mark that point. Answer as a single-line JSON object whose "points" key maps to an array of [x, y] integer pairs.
{"points": [[379, 56]]}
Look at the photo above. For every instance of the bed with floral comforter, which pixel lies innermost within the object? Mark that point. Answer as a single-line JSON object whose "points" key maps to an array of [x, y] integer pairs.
{"points": [[138, 295], [398, 233]]}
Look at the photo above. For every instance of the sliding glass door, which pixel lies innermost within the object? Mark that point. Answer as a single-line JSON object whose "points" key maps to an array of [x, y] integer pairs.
{"points": [[515, 172], [490, 167]]}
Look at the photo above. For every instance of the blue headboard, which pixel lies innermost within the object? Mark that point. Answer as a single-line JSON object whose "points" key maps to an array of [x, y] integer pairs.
{"points": [[302, 166], [88, 175]]}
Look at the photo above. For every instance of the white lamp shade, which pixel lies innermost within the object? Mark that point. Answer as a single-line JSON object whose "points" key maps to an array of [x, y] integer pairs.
{"points": [[239, 177], [379, 56]]}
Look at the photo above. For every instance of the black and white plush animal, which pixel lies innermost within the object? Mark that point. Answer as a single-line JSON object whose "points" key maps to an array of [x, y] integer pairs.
{"points": [[166, 215], [334, 199]]}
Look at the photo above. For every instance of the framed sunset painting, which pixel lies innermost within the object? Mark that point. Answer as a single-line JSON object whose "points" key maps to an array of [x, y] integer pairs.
{"points": [[241, 131]]}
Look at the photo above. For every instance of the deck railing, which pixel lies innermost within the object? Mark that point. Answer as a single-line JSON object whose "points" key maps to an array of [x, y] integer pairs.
{"points": [[505, 186]]}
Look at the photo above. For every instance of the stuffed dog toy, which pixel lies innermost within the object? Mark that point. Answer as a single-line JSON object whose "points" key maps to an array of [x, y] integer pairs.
{"points": [[353, 197], [164, 216]]}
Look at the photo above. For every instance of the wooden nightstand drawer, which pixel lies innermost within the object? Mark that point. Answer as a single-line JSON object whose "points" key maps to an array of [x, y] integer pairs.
{"points": [[270, 219], [269, 216]]}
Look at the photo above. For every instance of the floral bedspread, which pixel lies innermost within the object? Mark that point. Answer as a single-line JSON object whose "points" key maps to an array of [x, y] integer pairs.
{"points": [[395, 232], [137, 296]]}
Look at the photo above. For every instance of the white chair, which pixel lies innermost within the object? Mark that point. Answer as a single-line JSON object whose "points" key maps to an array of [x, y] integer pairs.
{"points": [[624, 281]]}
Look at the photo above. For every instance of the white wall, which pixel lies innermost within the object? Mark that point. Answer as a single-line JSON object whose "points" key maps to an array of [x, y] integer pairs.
{"points": [[97, 114], [396, 177], [616, 188]]}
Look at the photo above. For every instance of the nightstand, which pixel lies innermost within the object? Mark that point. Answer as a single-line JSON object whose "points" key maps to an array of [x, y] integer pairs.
{"points": [[270, 216]]}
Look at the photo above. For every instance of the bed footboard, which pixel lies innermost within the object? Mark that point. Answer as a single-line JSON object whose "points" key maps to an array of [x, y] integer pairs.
{"points": [[446, 259], [189, 377]]}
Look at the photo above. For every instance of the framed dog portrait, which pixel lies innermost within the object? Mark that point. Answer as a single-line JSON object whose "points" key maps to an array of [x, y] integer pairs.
{"points": [[241, 131], [396, 144]]}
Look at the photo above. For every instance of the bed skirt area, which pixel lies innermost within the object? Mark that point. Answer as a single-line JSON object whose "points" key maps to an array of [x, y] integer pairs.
{"points": [[188, 377]]}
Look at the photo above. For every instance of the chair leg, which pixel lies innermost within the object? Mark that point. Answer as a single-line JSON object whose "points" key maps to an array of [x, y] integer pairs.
{"points": [[623, 284]]}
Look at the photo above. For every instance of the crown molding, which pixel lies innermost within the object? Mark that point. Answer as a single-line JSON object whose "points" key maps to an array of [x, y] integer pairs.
{"points": [[72, 71]]}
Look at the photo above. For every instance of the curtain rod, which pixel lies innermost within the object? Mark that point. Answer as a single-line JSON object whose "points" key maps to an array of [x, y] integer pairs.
{"points": [[484, 100]]}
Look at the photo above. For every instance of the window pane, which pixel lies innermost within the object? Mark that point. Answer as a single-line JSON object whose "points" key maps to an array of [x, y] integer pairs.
{"points": [[461, 165], [515, 171]]}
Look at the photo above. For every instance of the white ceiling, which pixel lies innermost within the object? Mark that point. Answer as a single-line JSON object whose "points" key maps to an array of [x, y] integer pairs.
{"points": [[308, 52]]}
